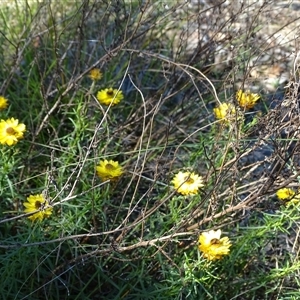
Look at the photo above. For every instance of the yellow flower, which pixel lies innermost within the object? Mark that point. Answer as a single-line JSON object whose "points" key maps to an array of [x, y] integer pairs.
{"points": [[289, 196], [285, 194], [293, 201], [246, 99], [3, 103], [225, 111], [109, 170], [212, 246], [11, 131], [187, 183], [37, 202], [110, 96], [95, 74]]}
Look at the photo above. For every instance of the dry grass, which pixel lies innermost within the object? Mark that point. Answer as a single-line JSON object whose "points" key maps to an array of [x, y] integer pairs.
{"points": [[174, 62]]}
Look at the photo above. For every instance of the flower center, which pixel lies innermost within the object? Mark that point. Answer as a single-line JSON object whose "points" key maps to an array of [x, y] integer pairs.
{"points": [[38, 204], [189, 180], [110, 93], [10, 131], [214, 242], [109, 167]]}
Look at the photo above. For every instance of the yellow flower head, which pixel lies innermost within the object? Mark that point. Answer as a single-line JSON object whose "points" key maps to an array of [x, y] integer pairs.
{"points": [[225, 111], [109, 170], [246, 99], [11, 131], [110, 96], [212, 245], [285, 194], [95, 74], [187, 183], [37, 202], [289, 196], [3, 103]]}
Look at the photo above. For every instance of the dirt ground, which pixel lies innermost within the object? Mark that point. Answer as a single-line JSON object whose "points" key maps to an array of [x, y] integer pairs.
{"points": [[262, 35]]}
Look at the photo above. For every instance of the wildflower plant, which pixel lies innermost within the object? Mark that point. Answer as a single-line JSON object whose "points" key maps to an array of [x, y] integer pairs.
{"points": [[37, 203], [225, 112], [3, 103], [246, 99], [143, 228], [109, 96], [288, 195], [285, 194], [187, 183], [95, 74], [212, 246], [11, 131], [109, 170]]}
